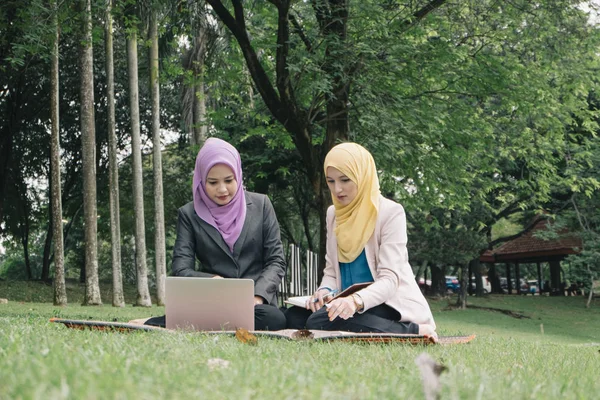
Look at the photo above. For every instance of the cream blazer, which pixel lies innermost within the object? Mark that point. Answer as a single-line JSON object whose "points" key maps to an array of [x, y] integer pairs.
{"points": [[387, 257]]}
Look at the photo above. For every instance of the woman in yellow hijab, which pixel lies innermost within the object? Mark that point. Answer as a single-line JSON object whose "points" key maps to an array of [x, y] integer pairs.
{"points": [[366, 243]]}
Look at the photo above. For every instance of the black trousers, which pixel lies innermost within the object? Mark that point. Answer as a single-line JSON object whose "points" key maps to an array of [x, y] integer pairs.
{"points": [[266, 318], [379, 319]]}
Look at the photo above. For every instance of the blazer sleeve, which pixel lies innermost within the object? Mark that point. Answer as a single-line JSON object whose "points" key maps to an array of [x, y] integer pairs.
{"points": [[329, 277], [273, 258], [184, 251], [393, 266]]}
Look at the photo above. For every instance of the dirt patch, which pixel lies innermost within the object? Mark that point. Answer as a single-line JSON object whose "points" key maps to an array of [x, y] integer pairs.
{"points": [[510, 313]]}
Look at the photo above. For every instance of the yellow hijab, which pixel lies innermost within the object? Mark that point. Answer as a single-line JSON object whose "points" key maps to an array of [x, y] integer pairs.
{"points": [[355, 223]]}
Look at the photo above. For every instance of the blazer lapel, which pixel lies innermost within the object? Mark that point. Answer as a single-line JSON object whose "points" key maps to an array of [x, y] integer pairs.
{"points": [[214, 234], [239, 243]]}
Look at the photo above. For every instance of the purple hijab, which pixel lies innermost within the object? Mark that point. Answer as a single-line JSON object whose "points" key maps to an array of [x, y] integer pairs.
{"points": [[227, 219]]}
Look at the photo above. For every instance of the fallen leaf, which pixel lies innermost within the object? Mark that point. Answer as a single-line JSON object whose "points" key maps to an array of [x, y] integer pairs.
{"points": [[430, 375], [214, 363], [303, 334], [246, 337]]}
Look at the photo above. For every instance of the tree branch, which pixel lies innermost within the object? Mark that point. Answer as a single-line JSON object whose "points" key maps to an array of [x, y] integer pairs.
{"points": [[283, 39], [511, 237], [423, 12], [280, 105], [237, 26], [322, 13], [300, 32]]}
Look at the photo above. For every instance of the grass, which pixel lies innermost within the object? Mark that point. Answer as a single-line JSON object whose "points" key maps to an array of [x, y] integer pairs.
{"points": [[510, 358]]}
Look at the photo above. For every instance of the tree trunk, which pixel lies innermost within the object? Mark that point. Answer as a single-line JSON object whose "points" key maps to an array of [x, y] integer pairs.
{"points": [[461, 302], [88, 143], [438, 282], [197, 97], [45, 275], [591, 294], [200, 128], [476, 268], [5, 153], [118, 299], [159, 213], [25, 242], [60, 291], [143, 296], [494, 279]]}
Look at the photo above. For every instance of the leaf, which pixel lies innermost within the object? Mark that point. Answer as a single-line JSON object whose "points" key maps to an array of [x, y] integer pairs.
{"points": [[303, 334], [217, 363], [245, 337]]}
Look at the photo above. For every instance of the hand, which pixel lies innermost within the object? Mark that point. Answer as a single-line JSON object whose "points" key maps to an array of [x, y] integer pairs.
{"points": [[258, 300], [343, 307], [317, 300], [217, 277]]}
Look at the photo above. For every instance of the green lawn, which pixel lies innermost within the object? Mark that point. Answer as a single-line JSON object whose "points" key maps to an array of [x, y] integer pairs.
{"points": [[509, 359]]}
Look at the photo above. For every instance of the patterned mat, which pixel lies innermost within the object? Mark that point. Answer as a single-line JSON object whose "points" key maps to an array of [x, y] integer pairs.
{"points": [[290, 334]]}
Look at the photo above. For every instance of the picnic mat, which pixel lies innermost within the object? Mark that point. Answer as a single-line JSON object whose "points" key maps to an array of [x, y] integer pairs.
{"points": [[290, 334]]}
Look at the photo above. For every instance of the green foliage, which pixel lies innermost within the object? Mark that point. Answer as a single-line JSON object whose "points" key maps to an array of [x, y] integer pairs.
{"points": [[479, 111]]}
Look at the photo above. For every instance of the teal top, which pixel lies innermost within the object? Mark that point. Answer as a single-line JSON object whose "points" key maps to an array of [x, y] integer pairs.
{"points": [[356, 271]]}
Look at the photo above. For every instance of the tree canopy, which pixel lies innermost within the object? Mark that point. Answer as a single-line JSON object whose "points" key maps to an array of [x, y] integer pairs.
{"points": [[474, 111]]}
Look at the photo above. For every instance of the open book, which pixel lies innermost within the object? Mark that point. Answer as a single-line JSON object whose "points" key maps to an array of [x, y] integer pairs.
{"points": [[300, 301]]}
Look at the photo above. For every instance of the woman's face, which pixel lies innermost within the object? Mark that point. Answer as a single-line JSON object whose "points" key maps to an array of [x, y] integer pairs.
{"points": [[341, 186], [221, 184]]}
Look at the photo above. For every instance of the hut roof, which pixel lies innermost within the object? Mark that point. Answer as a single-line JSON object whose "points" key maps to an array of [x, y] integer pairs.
{"points": [[529, 248]]}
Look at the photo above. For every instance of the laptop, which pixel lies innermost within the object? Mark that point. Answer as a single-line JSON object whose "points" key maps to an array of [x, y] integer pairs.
{"points": [[208, 304]]}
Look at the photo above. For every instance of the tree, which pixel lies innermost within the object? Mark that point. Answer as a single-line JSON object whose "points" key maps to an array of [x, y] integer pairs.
{"points": [[60, 292], [88, 143], [118, 299], [143, 297], [194, 96], [159, 212], [318, 119]]}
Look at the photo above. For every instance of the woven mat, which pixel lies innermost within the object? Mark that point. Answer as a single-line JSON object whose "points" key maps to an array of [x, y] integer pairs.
{"points": [[290, 334]]}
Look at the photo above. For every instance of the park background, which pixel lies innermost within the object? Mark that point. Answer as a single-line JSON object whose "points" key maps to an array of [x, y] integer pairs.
{"points": [[482, 116]]}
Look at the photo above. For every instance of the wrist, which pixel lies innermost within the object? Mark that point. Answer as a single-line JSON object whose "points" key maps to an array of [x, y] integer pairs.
{"points": [[358, 302]]}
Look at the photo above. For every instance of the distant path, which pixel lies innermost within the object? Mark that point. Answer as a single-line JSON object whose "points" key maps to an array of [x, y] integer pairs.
{"points": [[500, 310]]}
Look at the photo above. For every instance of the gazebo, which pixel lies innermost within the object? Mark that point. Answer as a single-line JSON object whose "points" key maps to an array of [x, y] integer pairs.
{"points": [[526, 248]]}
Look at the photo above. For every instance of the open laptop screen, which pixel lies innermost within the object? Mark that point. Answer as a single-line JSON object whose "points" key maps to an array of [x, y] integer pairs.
{"points": [[207, 304]]}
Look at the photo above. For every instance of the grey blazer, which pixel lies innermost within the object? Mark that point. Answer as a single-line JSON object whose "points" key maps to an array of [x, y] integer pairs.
{"points": [[257, 254]]}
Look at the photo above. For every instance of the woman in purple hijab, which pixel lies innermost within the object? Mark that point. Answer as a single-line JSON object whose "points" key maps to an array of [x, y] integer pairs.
{"points": [[233, 233]]}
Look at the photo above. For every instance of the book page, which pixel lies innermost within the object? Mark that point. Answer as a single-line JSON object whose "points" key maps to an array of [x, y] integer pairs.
{"points": [[299, 301]]}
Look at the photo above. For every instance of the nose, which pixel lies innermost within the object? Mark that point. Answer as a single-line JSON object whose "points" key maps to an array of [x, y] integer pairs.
{"points": [[222, 188], [338, 188]]}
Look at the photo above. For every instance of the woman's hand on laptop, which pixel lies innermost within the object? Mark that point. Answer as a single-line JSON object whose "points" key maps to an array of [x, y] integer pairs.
{"points": [[217, 277]]}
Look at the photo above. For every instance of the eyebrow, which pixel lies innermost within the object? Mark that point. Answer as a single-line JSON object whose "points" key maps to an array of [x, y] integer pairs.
{"points": [[216, 179], [340, 177]]}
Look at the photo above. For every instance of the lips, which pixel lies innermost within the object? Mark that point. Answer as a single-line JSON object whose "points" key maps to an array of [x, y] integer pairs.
{"points": [[222, 198]]}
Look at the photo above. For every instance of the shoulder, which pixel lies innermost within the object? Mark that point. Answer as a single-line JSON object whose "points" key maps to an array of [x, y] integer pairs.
{"points": [[257, 199], [330, 212], [187, 209], [389, 207]]}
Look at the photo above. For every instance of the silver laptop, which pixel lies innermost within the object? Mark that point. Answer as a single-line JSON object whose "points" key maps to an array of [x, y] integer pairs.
{"points": [[208, 304]]}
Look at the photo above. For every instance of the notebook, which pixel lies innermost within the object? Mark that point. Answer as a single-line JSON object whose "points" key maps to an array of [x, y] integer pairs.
{"points": [[207, 304], [300, 301]]}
